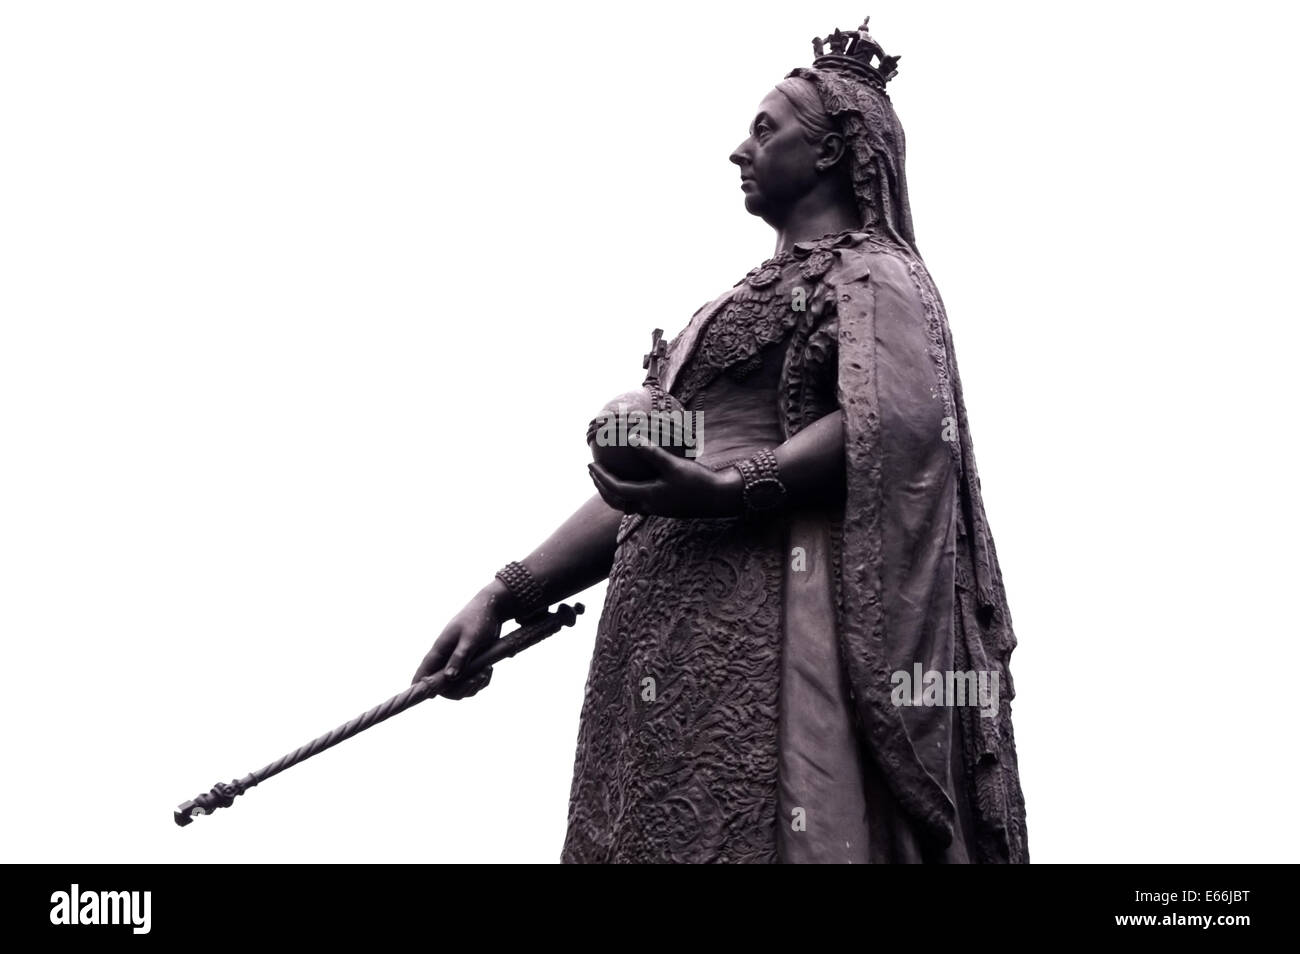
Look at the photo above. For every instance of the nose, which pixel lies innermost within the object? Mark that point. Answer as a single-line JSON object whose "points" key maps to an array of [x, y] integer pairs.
{"points": [[741, 154]]}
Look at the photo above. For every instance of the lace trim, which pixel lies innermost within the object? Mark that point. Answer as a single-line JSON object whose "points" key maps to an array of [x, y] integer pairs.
{"points": [[749, 322], [761, 311]]}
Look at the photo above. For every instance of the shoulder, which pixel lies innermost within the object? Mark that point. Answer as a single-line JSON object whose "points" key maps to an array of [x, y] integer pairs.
{"points": [[869, 259], [883, 275]]}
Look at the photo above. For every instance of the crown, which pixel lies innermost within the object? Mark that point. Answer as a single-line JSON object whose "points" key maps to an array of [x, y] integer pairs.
{"points": [[853, 53]]}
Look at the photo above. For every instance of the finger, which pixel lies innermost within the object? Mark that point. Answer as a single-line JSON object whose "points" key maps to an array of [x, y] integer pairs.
{"points": [[463, 655], [435, 657], [633, 496], [463, 690], [607, 495], [630, 490], [660, 460]]}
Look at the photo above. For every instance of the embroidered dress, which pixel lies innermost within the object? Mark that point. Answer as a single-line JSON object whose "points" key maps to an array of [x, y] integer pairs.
{"points": [[739, 704]]}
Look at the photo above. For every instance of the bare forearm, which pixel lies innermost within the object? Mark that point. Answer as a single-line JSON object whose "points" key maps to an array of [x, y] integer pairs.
{"points": [[811, 465], [576, 556], [812, 462]]}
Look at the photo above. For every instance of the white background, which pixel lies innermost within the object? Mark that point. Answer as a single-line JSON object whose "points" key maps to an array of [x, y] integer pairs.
{"points": [[306, 307]]}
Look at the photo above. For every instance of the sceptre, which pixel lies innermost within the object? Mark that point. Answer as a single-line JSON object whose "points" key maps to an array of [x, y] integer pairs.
{"points": [[532, 630]]}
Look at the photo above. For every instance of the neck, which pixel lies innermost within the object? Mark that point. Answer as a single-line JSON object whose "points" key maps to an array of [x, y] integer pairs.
{"points": [[811, 220]]}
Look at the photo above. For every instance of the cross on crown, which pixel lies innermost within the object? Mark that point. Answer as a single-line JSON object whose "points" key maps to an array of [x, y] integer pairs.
{"points": [[857, 53]]}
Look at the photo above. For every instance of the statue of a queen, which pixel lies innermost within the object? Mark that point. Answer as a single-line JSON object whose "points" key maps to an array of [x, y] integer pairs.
{"points": [[789, 610]]}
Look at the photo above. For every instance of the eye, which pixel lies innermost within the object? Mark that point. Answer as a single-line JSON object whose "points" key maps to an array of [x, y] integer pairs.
{"points": [[762, 131]]}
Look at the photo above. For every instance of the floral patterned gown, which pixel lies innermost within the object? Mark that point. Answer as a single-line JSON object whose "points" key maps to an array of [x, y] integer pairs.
{"points": [[724, 710], [716, 723]]}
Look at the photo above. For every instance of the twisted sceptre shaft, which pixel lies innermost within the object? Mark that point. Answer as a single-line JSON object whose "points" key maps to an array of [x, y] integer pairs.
{"points": [[532, 630]]}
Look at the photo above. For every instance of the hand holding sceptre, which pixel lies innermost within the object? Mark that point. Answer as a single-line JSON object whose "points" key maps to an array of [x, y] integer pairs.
{"points": [[531, 631]]}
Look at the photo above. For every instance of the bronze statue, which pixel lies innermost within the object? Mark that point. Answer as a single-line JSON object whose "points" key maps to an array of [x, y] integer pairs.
{"points": [[801, 572]]}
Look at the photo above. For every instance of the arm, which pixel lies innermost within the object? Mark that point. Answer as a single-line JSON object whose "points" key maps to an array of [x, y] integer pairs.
{"points": [[580, 552], [811, 464], [577, 555]]}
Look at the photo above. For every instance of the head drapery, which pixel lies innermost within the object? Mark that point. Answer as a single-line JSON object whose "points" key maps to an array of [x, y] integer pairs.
{"points": [[849, 93], [874, 137]]}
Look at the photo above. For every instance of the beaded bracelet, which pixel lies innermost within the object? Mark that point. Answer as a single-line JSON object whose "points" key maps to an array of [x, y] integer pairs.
{"points": [[761, 480], [523, 587]]}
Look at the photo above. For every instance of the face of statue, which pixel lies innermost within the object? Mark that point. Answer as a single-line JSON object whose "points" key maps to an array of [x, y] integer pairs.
{"points": [[778, 165]]}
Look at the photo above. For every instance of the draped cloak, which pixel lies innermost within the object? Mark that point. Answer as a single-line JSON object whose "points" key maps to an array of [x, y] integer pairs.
{"points": [[904, 579]]}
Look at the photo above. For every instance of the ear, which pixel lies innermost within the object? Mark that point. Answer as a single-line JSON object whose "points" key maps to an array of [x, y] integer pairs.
{"points": [[830, 151]]}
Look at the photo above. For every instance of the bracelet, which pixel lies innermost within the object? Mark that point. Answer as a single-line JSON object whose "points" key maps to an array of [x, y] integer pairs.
{"points": [[761, 481], [523, 587]]}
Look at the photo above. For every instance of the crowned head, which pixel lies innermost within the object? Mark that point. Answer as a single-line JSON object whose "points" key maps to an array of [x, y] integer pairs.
{"points": [[828, 134]]}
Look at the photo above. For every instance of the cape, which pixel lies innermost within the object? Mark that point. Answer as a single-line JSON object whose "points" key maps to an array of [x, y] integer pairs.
{"points": [[918, 581]]}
